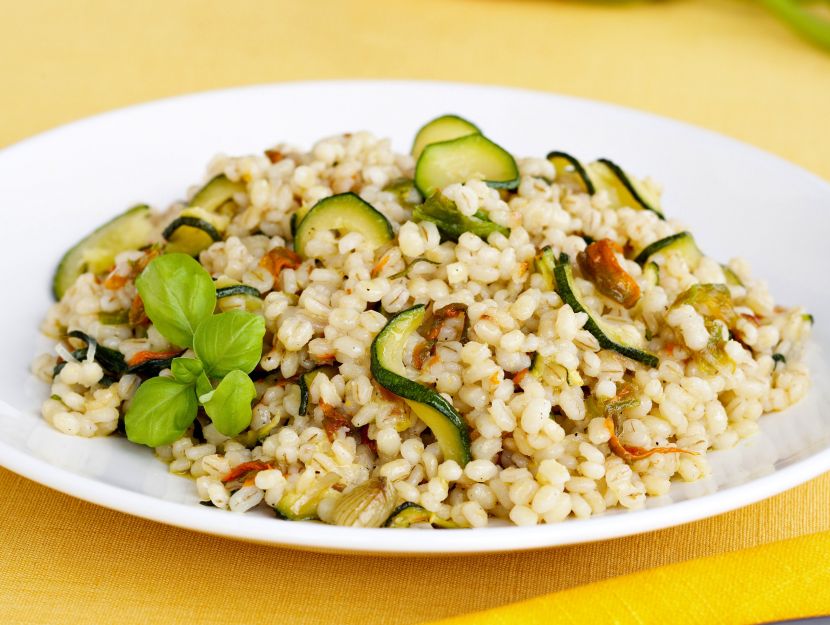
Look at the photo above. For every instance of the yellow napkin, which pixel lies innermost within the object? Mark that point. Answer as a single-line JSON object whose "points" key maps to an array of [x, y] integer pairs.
{"points": [[781, 580]]}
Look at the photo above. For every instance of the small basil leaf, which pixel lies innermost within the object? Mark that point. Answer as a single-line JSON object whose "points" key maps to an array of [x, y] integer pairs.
{"points": [[178, 294], [230, 404], [186, 370], [160, 412], [228, 341], [203, 386]]}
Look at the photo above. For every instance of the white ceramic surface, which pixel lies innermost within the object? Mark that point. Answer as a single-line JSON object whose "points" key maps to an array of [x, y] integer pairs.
{"points": [[58, 185]]}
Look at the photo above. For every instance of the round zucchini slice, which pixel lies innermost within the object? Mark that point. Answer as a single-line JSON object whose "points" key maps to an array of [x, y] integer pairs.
{"points": [[131, 230], [459, 160], [388, 369], [442, 128], [605, 174], [346, 212]]}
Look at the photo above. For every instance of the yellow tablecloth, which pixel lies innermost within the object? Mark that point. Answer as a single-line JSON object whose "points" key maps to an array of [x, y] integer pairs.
{"points": [[723, 64]]}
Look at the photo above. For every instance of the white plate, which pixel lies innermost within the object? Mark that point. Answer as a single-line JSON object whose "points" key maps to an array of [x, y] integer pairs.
{"points": [[57, 186]]}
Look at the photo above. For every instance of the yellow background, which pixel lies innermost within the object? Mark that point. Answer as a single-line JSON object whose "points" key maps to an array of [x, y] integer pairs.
{"points": [[723, 64]]}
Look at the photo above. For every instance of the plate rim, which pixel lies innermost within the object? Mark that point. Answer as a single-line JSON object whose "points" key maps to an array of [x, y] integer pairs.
{"points": [[324, 538]]}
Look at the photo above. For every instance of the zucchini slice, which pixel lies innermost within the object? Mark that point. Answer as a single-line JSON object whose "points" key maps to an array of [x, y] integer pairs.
{"points": [[216, 192], [568, 168], [190, 233], [225, 288], [610, 336], [305, 381], [682, 243], [345, 212], [444, 128], [629, 191], [408, 513], [388, 369], [237, 289], [451, 223], [131, 230], [461, 159]]}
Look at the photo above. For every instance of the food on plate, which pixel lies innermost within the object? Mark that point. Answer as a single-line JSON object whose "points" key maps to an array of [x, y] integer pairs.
{"points": [[450, 338]]}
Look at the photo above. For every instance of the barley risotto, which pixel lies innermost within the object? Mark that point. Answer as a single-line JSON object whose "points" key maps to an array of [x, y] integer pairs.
{"points": [[447, 338]]}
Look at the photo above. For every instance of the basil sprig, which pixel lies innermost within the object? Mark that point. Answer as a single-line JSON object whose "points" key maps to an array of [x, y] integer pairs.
{"points": [[180, 298]]}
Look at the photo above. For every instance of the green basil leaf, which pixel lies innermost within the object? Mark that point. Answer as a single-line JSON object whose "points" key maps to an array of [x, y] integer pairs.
{"points": [[203, 387], [160, 412], [186, 370], [228, 341], [178, 294], [230, 404]]}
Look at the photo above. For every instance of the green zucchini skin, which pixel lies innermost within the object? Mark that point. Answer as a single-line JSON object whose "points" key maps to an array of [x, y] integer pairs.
{"points": [[216, 192], [446, 424], [96, 252], [443, 128], [237, 289], [605, 171], [348, 212], [458, 160], [191, 222], [562, 160], [565, 286], [658, 246]]}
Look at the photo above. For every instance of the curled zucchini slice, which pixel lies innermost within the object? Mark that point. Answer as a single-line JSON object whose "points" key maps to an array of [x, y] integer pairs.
{"points": [[629, 191], [216, 192], [388, 369], [407, 514], [451, 222], [682, 242], [96, 252], [444, 128], [622, 339], [461, 159], [346, 212], [568, 169]]}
